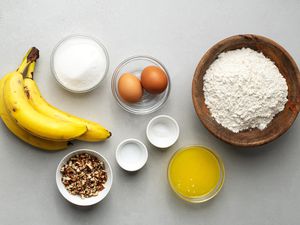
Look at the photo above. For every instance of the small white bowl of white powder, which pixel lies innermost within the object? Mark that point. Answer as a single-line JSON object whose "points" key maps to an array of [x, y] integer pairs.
{"points": [[79, 63]]}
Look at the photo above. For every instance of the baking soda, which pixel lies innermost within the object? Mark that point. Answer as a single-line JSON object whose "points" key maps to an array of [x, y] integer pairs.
{"points": [[243, 89]]}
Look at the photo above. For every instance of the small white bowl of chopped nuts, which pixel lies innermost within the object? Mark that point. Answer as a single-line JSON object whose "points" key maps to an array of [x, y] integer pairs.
{"points": [[84, 177]]}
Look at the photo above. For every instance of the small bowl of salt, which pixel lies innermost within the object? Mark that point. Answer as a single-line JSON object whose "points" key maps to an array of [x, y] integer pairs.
{"points": [[79, 63]]}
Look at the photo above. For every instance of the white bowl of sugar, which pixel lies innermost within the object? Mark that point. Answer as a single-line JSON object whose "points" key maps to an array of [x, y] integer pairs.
{"points": [[79, 63]]}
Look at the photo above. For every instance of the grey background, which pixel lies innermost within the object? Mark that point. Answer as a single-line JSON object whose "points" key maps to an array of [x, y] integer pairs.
{"points": [[262, 184]]}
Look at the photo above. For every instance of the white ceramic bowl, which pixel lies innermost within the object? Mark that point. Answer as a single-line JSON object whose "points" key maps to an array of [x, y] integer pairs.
{"points": [[131, 154], [75, 199], [162, 131]]}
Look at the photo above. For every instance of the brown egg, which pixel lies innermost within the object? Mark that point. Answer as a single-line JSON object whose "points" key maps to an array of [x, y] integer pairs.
{"points": [[130, 88], [154, 79]]}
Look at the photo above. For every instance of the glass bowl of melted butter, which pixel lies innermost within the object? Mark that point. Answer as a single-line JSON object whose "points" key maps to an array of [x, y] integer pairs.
{"points": [[196, 174]]}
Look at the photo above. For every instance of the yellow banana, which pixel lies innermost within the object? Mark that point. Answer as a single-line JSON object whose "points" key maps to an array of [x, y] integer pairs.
{"points": [[95, 132], [27, 117], [22, 134]]}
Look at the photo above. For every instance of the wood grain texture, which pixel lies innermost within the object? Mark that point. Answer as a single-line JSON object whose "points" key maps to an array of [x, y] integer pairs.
{"points": [[287, 67]]}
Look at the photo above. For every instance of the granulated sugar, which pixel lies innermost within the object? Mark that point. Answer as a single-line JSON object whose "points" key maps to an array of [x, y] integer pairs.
{"points": [[80, 63], [243, 89]]}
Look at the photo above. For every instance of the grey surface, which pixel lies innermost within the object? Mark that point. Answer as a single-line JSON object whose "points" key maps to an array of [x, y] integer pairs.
{"points": [[262, 184]]}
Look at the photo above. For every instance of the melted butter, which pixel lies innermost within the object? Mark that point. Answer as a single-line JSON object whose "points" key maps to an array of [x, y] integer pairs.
{"points": [[194, 172]]}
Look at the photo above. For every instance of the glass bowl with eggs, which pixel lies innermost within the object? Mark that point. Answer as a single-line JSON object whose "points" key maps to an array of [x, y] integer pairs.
{"points": [[141, 84]]}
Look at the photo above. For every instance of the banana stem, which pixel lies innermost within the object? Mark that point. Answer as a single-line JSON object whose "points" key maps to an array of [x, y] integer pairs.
{"points": [[30, 70], [31, 56], [27, 53], [23, 65]]}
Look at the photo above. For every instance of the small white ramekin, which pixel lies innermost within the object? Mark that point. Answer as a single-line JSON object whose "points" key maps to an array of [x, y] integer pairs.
{"points": [[131, 155], [162, 131]]}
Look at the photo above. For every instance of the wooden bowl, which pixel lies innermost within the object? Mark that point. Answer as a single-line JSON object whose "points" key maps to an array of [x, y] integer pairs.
{"points": [[287, 67]]}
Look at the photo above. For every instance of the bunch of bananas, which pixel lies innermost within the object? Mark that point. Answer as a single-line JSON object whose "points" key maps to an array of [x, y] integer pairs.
{"points": [[31, 118]]}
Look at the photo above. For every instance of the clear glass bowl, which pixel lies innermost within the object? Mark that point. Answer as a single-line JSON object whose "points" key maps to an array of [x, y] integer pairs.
{"points": [[213, 192], [74, 36], [149, 102]]}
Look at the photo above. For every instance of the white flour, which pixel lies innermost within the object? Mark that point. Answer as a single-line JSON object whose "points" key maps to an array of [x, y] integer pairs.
{"points": [[243, 89]]}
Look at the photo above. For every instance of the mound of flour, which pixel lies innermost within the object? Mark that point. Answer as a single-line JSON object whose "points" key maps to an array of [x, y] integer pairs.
{"points": [[243, 89]]}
